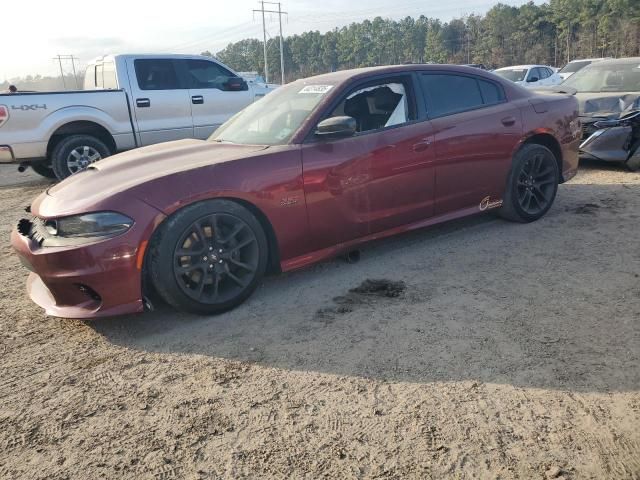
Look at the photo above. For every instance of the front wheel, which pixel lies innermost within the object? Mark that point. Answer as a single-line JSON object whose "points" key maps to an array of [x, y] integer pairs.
{"points": [[532, 184], [75, 153], [208, 257]]}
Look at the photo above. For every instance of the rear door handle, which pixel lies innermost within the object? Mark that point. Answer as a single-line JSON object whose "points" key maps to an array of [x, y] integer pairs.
{"points": [[508, 121], [422, 146], [143, 102], [197, 99]]}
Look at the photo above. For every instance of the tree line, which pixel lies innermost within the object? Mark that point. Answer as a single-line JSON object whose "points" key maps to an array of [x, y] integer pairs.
{"points": [[551, 33]]}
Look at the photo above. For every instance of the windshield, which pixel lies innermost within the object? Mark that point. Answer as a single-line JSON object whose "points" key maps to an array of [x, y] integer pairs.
{"points": [[573, 67], [606, 77], [272, 120], [513, 74]]}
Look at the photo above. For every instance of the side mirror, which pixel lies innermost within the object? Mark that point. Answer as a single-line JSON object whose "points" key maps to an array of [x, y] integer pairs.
{"points": [[532, 79], [235, 84], [336, 127]]}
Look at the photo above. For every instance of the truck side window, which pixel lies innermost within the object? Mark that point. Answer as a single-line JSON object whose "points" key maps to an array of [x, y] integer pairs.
{"points": [[156, 74], [206, 74]]}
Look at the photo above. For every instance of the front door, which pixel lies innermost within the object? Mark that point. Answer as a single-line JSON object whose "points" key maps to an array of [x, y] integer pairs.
{"points": [[213, 98], [380, 178], [161, 107]]}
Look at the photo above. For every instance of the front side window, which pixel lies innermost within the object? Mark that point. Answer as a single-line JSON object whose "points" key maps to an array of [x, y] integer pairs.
{"points": [[156, 74], [206, 74], [377, 106]]}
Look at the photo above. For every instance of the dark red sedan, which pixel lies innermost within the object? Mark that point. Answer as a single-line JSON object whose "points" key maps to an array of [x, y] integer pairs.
{"points": [[310, 171]]}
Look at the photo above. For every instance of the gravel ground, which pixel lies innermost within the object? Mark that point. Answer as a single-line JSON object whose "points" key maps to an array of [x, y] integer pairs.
{"points": [[513, 352]]}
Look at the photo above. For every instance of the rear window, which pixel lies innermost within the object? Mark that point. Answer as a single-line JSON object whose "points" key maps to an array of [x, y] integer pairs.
{"points": [[156, 74], [449, 93]]}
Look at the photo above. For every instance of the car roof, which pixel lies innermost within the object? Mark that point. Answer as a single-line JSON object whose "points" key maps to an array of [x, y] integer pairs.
{"points": [[619, 61], [357, 73]]}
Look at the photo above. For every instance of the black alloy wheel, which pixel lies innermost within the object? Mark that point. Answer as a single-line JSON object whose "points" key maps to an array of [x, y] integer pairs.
{"points": [[532, 184], [216, 258]]}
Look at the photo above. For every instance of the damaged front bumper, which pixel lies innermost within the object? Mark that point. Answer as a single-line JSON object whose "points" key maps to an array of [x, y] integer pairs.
{"points": [[613, 140]]}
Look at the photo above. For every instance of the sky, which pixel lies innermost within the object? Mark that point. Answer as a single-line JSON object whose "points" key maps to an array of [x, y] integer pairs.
{"points": [[34, 31]]}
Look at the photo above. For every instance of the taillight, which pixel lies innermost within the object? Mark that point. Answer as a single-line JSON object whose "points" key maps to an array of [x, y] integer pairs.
{"points": [[4, 115]]}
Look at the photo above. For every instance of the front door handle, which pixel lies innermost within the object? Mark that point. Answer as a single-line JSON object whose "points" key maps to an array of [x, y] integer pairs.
{"points": [[143, 102], [508, 121], [422, 146], [197, 99]]}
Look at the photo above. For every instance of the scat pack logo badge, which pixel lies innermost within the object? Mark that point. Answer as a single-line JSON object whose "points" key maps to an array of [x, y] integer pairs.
{"points": [[486, 203]]}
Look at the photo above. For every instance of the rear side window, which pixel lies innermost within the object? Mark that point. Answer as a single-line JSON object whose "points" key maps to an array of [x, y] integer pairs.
{"points": [[491, 92], [156, 74], [450, 93]]}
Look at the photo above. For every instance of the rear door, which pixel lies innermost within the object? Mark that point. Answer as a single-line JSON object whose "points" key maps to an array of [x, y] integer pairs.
{"points": [[476, 131], [161, 105], [214, 95]]}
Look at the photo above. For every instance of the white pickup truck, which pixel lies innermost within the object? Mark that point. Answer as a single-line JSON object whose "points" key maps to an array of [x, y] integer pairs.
{"points": [[128, 101]]}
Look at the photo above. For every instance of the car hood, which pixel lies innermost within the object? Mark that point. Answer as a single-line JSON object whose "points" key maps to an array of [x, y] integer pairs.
{"points": [[607, 105], [124, 171]]}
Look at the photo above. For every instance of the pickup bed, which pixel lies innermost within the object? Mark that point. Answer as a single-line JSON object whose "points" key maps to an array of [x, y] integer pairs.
{"points": [[128, 101]]}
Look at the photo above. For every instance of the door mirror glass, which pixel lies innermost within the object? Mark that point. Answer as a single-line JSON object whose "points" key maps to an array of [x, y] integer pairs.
{"points": [[336, 127]]}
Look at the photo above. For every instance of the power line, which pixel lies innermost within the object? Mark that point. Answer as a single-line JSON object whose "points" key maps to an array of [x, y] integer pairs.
{"points": [[264, 36]]}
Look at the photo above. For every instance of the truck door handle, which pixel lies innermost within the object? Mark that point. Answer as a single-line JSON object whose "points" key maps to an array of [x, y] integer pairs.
{"points": [[508, 121], [197, 99], [422, 146], [143, 102]]}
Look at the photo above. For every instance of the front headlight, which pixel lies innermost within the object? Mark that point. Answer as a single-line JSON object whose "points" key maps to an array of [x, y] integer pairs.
{"points": [[99, 224]]}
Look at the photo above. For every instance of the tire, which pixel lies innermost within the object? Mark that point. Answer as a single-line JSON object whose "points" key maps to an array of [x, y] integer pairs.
{"points": [[44, 169], [208, 257], [532, 184], [88, 149]]}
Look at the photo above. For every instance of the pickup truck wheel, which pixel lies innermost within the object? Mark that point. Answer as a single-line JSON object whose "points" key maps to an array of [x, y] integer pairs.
{"points": [[44, 169], [75, 153], [208, 257]]}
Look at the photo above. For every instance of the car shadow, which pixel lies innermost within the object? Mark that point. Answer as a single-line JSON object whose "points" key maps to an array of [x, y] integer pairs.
{"points": [[551, 304]]}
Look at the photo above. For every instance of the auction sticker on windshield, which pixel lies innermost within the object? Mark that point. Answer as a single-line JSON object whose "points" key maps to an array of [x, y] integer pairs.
{"points": [[316, 89]]}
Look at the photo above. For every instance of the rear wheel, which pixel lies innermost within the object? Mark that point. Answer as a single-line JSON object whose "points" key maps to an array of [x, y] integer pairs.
{"points": [[208, 257], [532, 184], [75, 153], [44, 169]]}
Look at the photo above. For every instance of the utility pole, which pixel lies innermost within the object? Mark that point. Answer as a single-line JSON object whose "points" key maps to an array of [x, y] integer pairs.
{"points": [[73, 66], [264, 36], [64, 84]]}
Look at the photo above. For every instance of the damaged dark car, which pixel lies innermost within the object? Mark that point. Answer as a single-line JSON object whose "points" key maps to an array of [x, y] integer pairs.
{"points": [[608, 93]]}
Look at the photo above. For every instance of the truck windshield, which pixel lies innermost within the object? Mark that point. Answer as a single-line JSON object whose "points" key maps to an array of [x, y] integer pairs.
{"points": [[272, 120], [606, 77]]}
